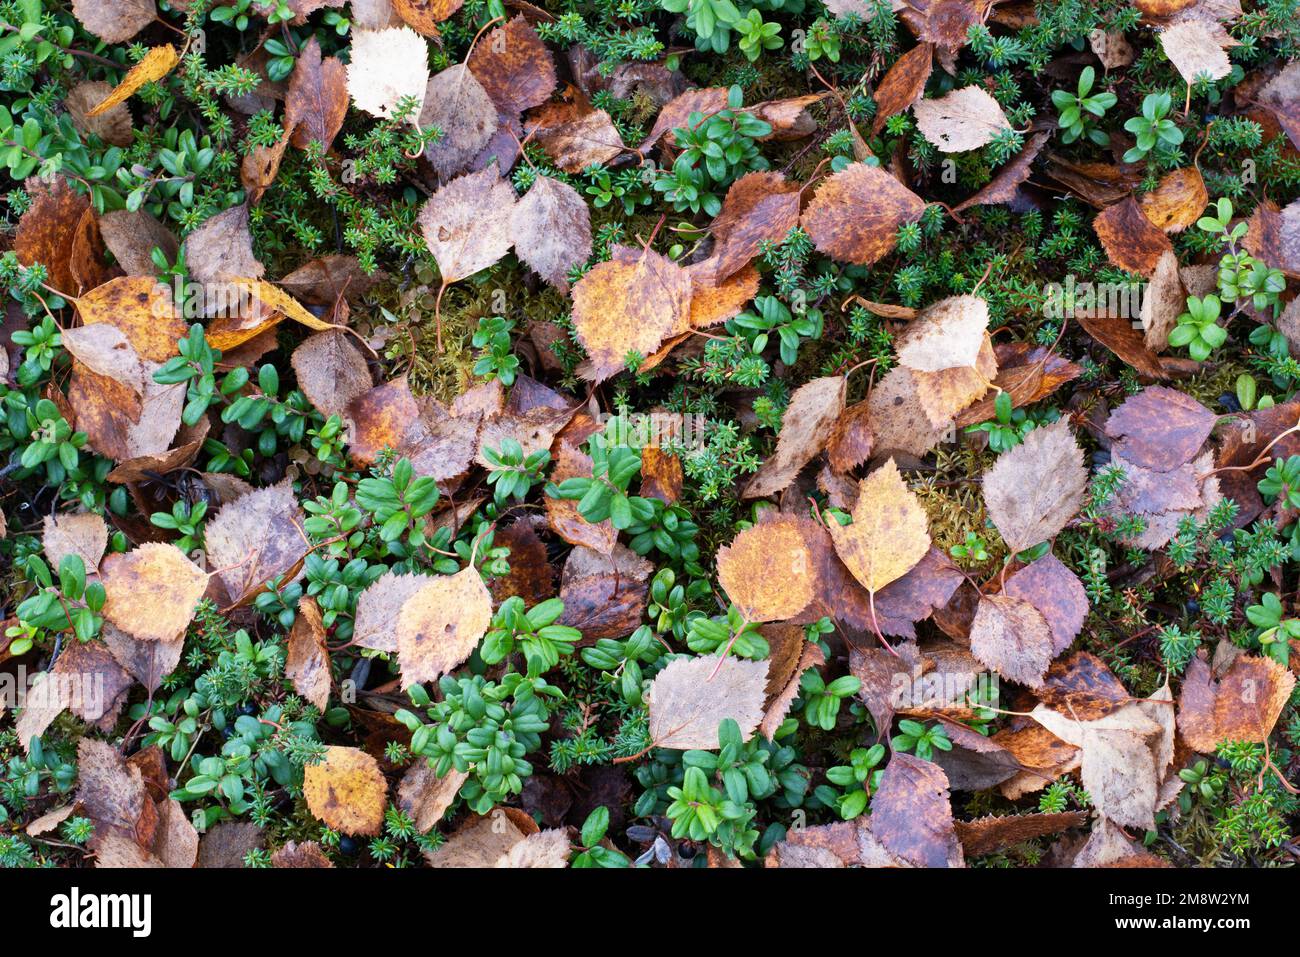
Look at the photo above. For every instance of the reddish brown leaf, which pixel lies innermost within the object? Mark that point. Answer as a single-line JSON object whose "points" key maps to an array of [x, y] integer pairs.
{"points": [[855, 214]]}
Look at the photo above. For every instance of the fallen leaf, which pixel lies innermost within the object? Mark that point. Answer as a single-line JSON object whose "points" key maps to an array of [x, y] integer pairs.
{"points": [[482, 840], [84, 534], [948, 334], [578, 141], [1118, 335], [222, 248], [425, 797], [425, 15], [1160, 428], [1027, 373], [331, 371], [379, 605], [514, 66], [1005, 184], [317, 99], [456, 103], [547, 849], [914, 597], [305, 855], [767, 571], [307, 660], [115, 21], [155, 65], [759, 207], [889, 533], [855, 214], [441, 624], [911, 814], [113, 126], [387, 66], [1012, 637], [1058, 595], [690, 697], [1177, 201], [47, 229], [987, 835], [1033, 490], [1243, 706], [851, 441], [806, 426], [256, 538], [151, 591], [550, 228], [1132, 241], [346, 791], [897, 419], [132, 238], [466, 224], [676, 114], [962, 120], [1162, 303], [903, 84], [1192, 49]]}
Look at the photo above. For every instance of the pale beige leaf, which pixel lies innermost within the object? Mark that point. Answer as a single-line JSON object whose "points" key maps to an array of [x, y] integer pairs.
{"points": [[84, 535], [965, 119], [1032, 491], [688, 701], [1192, 49], [1012, 637], [466, 224], [947, 335], [255, 538], [387, 65], [551, 230], [441, 624], [544, 849]]}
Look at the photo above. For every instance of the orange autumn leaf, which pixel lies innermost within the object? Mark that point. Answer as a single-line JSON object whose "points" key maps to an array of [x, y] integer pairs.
{"points": [[767, 571], [157, 63], [347, 791], [855, 215]]}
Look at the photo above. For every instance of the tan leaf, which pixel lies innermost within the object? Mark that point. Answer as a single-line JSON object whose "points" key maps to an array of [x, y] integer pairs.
{"points": [[105, 350], [688, 700], [113, 126], [549, 849], [514, 66], [482, 840], [256, 538], [759, 207], [306, 659], [157, 63], [1111, 47], [807, 424], [889, 534], [441, 624], [456, 103], [347, 791], [425, 797], [629, 304], [331, 371], [1243, 706], [305, 855], [897, 419], [378, 607], [851, 441], [222, 248], [946, 335], [855, 214], [115, 21], [1011, 636], [132, 237], [767, 571], [386, 66], [550, 228], [911, 814], [149, 662], [945, 393], [466, 224], [964, 119], [903, 84], [1162, 303], [1034, 489], [151, 591], [1192, 49], [113, 794], [84, 535], [578, 141]]}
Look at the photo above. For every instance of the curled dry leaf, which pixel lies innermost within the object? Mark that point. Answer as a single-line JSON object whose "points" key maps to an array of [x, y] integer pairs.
{"points": [[386, 66], [1119, 336], [456, 103], [1025, 372], [550, 228], [441, 624], [514, 66], [1164, 300], [1034, 489], [807, 424], [964, 119], [889, 533], [347, 791], [629, 304], [903, 84], [256, 538], [306, 660], [987, 835], [151, 591], [1160, 428], [482, 840], [855, 214], [692, 696], [1013, 638], [851, 441], [1005, 185], [911, 814], [767, 571], [157, 63], [1131, 240], [1242, 706]]}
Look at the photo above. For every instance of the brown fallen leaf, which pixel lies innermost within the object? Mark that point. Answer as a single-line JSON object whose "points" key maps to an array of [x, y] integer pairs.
{"points": [[851, 441], [514, 66], [1177, 201], [690, 697], [466, 224], [1043, 755], [331, 371], [1119, 336], [987, 835], [629, 304], [149, 662], [222, 248], [915, 596], [806, 426], [155, 65], [975, 762], [317, 100], [563, 515], [1242, 706], [305, 855], [307, 660], [347, 791], [1164, 300], [425, 797], [1058, 595], [676, 114], [550, 228], [1111, 47], [912, 816], [897, 418], [767, 571], [962, 120], [256, 538], [1033, 490], [47, 229], [106, 351], [113, 126], [1160, 428], [425, 15], [1131, 240], [575, 140], [1005, 184], [386, 67], [132, 237], [456, 103], [547, 849], [604, 594], [1027, 373], [441, 624], [113, 795], [1012, 637], [903, 84], [759, 207], [151, 591], [855, 214], [481, 841]]}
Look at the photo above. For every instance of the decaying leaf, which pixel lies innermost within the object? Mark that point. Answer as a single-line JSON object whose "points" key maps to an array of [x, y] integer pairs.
{"points": [[692, 696], [113, 126], [514, 66], [466, 224], [257, 537], [947, 335], [1193, 50], [964, 119], [1132, 241], [550, 228], [911, 814], [1243, 705], [1034, 489], [456, 103], [903, 84], [151, 591], [425, 15], [889, 533], [578, 140], [1011, 636], [347, 791], [424, 796], [306, 660], [806, 425], [441, 624], [1160, 428], [1057, 594], [855, 214], [83, 534], [317, 100], [767, 571], [759, 207], [331, 371], [222, 248], [1178, 201]]}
